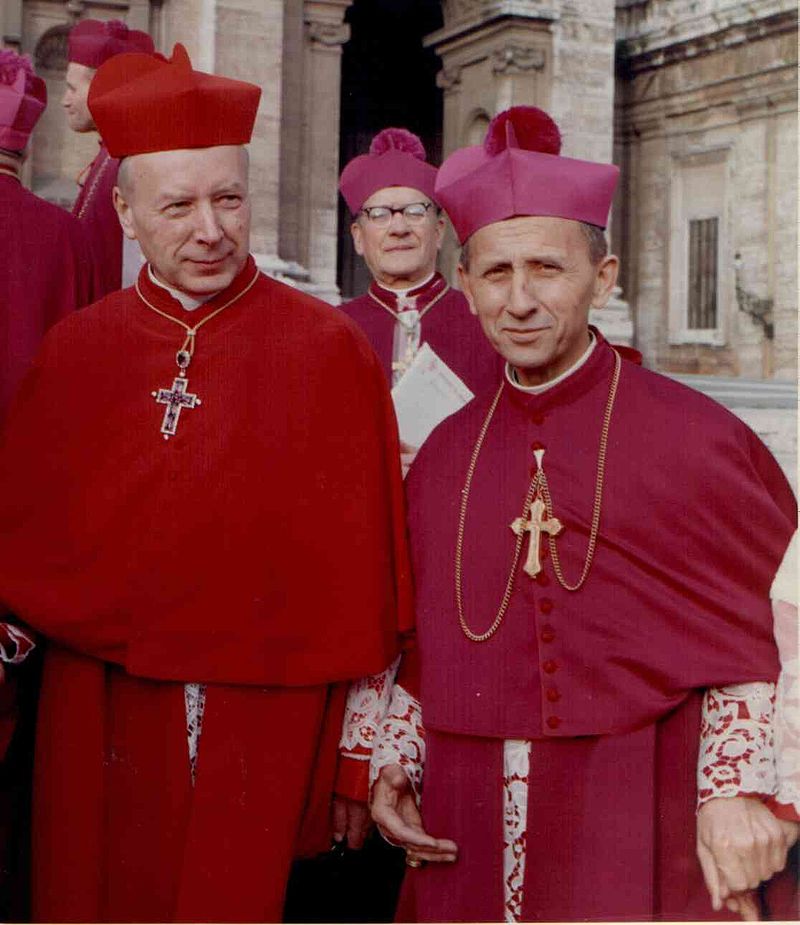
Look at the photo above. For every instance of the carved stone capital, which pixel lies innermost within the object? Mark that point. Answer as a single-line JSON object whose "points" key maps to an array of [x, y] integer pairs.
{"points": [[516, 59], [326, 33], [448, 78]]}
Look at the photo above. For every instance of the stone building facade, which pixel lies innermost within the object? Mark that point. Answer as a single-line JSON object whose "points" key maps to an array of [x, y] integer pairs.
{"points": [[696, 100]]}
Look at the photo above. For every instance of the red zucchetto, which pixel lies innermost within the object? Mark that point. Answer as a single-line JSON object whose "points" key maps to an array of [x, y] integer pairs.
{"points": [[396, 158], [519, 170], [93, 41], [144, 103], [23, 98]]}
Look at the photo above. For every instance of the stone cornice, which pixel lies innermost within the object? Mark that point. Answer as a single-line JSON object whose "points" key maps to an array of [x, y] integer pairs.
{"points": [[681, 41], [464, 17]]}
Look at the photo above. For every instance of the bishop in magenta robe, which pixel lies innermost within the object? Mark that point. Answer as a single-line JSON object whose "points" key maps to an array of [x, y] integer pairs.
{"points": [[592, 548], [91, 43], [408, 302]]}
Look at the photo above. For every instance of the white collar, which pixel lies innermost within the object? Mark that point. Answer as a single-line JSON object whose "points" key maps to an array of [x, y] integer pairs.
{"points": [[511, 373], [401, 293], [190, 303]]}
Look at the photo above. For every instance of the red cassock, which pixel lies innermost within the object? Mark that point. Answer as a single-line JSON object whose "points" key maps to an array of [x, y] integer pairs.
{"points": [[605, 681], [447, 325], [46, 273], [259, 550], [94, 209]]}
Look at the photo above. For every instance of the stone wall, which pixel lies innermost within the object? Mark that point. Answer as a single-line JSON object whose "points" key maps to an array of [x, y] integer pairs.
{"points": [[703, 85]]}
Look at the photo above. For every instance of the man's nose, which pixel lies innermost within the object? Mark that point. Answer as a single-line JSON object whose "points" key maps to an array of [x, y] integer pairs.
{"points": [[522, 299], [398, 223], [207, 227]]}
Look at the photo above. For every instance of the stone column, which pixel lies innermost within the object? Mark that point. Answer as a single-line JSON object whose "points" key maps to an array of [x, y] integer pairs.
{"points": [[324, 33]]}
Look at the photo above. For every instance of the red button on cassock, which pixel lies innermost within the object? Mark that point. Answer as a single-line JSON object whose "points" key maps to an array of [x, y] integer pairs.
{"points": [[542, 579], [552, 694], [550, 666], [553, 722], [537, 445], [545, 605], [548, 634], [538, 418]]}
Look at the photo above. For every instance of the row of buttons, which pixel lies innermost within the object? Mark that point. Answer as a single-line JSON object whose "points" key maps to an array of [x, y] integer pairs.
{"points": [[548, 633]]}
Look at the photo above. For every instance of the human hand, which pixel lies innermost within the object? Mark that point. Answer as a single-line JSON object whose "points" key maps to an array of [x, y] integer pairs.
{"points": [[739, 844], [745, 904], [351, 821], [394, 809], [408, 454]]}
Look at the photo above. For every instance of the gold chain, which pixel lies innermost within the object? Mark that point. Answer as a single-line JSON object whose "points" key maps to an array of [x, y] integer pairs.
{"points": [[191, 331], [538, 484]]}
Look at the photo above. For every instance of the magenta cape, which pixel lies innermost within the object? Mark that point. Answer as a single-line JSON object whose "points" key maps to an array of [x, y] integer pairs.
{"points": [[449, 327], [46, 274], [94, 209], [695, 516], [261, 549]]}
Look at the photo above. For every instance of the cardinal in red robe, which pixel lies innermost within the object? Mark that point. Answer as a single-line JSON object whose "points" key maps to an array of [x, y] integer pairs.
{"points": [[592, 548], [90, 43], [201, 513]]}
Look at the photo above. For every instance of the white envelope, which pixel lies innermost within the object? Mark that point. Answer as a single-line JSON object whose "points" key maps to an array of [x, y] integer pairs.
{"points": [[428, 393]]}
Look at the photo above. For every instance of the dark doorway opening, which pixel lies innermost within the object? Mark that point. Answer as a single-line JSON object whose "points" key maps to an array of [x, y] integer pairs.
{"points": [[388, 79]]}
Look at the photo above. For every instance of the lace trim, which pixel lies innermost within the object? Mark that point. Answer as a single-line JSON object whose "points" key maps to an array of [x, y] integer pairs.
{"points": [[787, 735], [367, 704], [516, 769], [737, 753], [15, 646], [401, 739], [195, 697]]}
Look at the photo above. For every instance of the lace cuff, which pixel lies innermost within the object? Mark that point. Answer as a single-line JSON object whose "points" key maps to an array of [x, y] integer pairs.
{"points": [[737, 753], [367, 703], [15, 646], [401, 740]]}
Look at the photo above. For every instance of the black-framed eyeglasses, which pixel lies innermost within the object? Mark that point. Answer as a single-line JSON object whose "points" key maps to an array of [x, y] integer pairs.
{"points": [[413, 213]]}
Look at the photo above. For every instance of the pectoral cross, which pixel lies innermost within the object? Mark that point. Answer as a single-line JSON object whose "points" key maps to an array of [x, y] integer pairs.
{"points": [[175, 399], [537, 523]]}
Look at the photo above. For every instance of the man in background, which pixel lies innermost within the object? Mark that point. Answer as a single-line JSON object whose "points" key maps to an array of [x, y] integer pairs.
{"points": [[91, 42]]}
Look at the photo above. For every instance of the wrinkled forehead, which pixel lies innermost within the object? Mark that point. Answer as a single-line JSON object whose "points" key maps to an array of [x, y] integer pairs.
{"points": [[396, 197], [526, 234], [190, 169]]}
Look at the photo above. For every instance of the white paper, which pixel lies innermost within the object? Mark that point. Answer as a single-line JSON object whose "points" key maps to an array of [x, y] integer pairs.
{"points": [[428, 393]]}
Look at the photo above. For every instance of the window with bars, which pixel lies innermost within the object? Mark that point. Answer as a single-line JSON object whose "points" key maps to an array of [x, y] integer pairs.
{"points": [[703, 273]]}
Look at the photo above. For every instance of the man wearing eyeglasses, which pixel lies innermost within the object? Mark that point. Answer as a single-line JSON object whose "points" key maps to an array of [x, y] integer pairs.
{"points": [[398, 229]]}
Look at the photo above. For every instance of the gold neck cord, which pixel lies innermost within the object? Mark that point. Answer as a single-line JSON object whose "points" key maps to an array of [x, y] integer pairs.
{"points": [[538, 486], [186, 352]]}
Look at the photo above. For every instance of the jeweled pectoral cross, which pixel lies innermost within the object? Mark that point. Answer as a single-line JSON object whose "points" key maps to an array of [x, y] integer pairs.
{"points": [[537, 523], [175, 399]]}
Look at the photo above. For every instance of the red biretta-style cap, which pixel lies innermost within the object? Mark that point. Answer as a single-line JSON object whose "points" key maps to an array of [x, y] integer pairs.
{"points": [[23, 98], [396, 158], [518, 170], [145, 103], [93, 41]]}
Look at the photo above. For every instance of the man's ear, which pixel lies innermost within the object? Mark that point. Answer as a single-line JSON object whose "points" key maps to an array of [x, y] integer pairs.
{"points": [[358, 240], [605, 280], [466, 288], [440, 224], [124, 213]]}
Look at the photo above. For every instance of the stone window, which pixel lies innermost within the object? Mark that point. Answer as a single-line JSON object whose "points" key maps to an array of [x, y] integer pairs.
{"points": [[700, 292], [703, 253]]}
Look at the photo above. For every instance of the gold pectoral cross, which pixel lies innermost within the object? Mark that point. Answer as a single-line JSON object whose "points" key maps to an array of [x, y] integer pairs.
{"points": [[537, 523]]}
